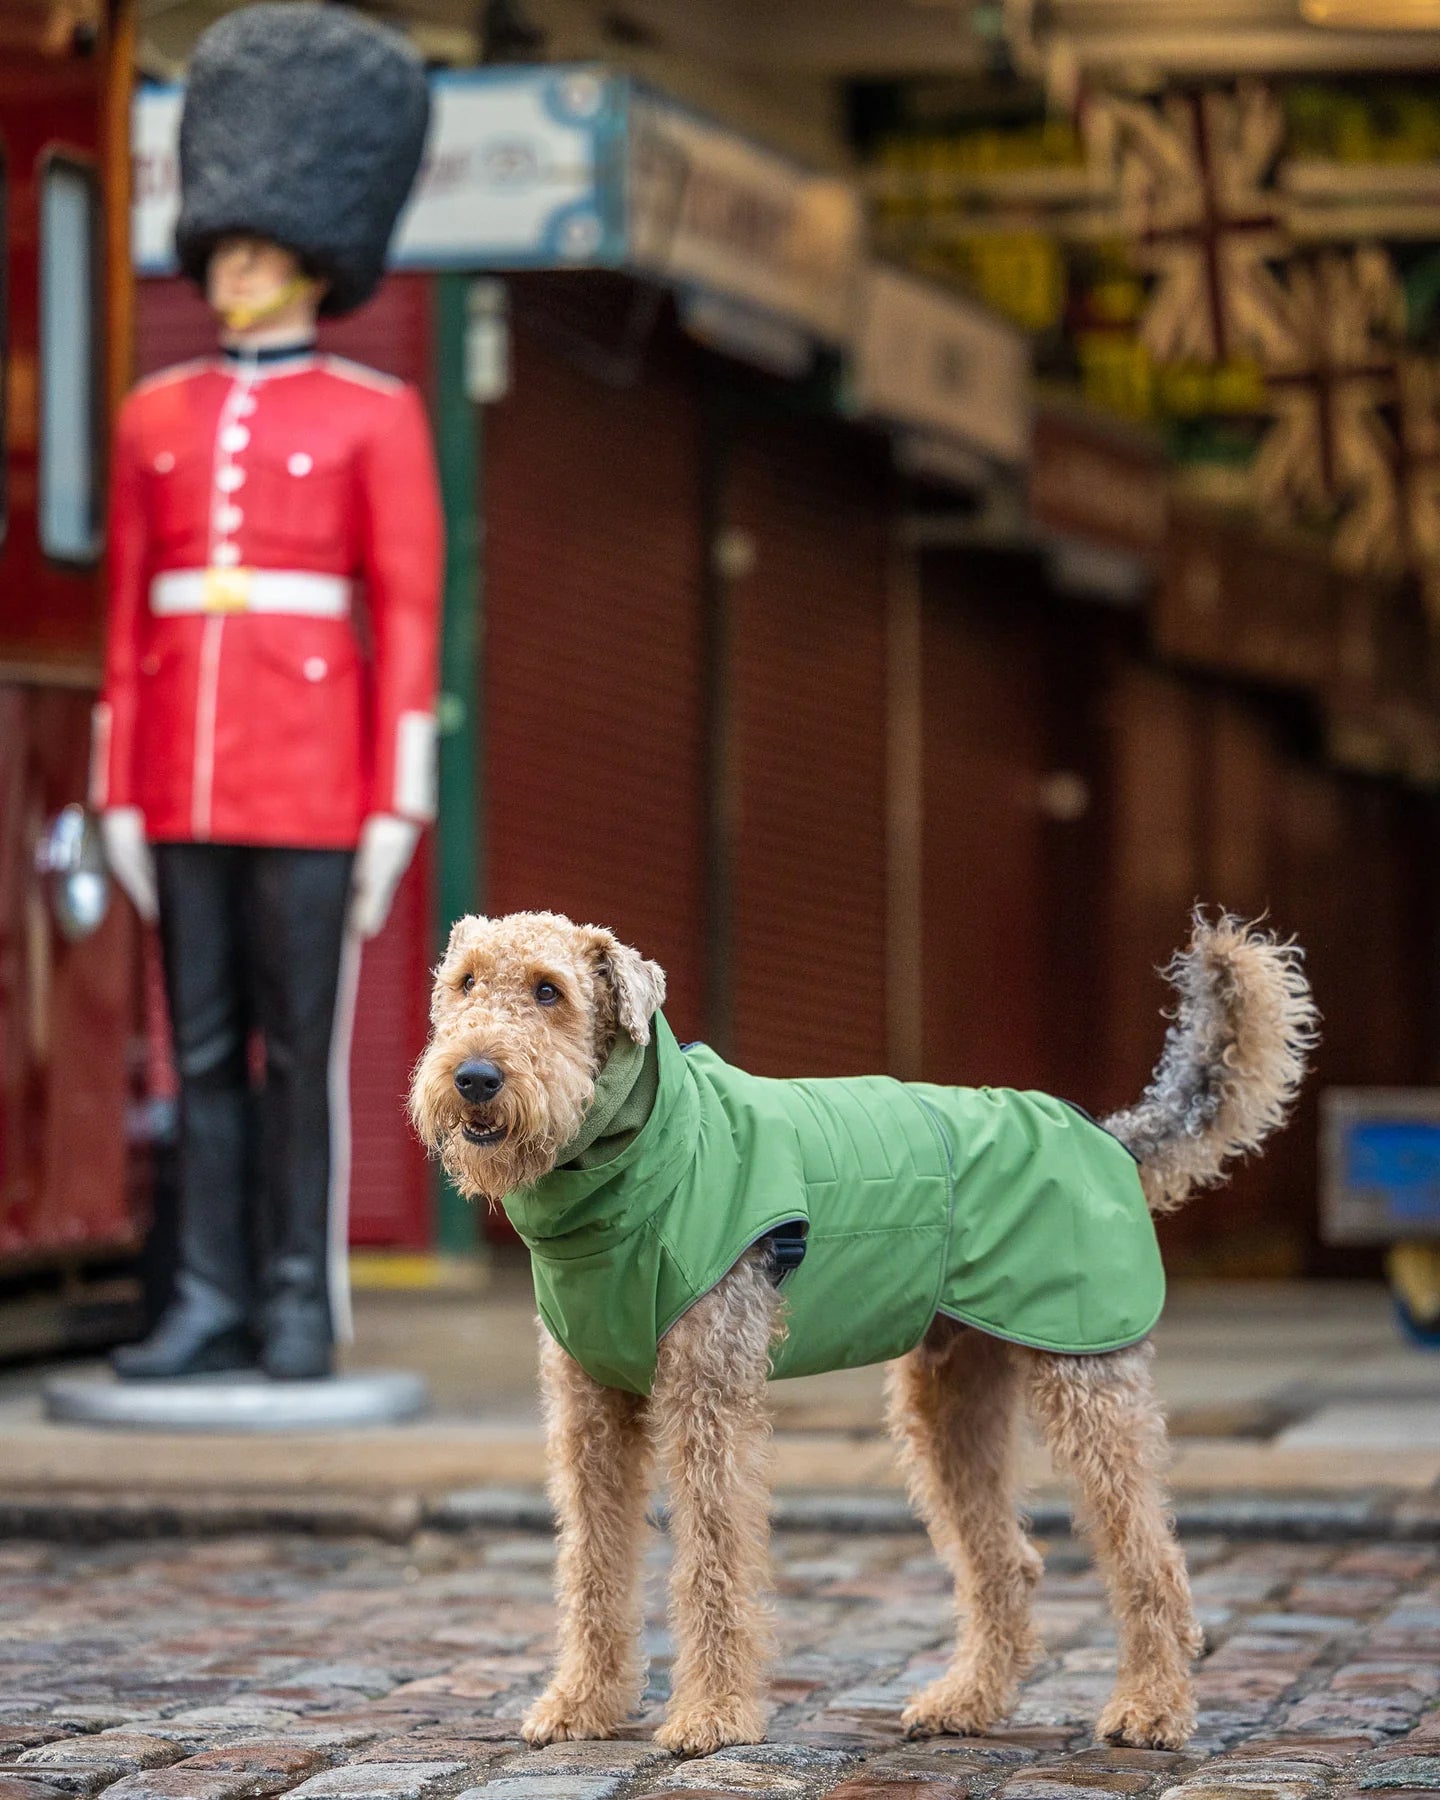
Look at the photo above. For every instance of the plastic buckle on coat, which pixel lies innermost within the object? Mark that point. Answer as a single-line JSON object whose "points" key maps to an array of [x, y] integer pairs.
{"points": [[787, 1249]]}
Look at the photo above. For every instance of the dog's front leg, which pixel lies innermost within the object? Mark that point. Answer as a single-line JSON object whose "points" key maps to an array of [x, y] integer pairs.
{"points": [[599, 1479], [708, 1413]]}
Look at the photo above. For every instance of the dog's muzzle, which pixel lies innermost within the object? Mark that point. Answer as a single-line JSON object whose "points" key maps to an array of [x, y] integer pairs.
{"points": [[478, 1082]]}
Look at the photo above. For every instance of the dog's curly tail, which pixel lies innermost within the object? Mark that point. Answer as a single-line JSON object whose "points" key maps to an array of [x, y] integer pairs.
{"points": [[1233, 1060]]}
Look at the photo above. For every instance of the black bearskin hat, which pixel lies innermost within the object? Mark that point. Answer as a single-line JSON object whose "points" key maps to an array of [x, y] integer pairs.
{"points": [[303, 124]]}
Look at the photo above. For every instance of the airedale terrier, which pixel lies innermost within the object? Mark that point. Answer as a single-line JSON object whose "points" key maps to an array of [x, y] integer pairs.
{"points": [[695, 1229]]}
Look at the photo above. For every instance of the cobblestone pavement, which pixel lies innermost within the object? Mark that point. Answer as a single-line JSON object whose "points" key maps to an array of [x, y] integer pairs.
{"points": [[242, 1667]]}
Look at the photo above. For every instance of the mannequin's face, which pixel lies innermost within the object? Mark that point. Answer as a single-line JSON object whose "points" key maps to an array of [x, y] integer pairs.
{"points": [[258, 291]]}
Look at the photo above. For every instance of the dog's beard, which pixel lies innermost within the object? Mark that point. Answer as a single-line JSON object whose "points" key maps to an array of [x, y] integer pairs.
{"points": [[531, 1124]]}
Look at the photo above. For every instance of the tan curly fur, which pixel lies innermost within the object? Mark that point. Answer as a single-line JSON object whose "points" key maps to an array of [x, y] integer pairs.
{"points": [[1232, 1062]]}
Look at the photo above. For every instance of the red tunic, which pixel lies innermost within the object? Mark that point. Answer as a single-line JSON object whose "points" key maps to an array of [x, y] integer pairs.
{"points": [[275, 571]]}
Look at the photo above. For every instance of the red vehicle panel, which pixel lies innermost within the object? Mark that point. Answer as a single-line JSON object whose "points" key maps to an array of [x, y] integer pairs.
{"points": [[67, 993], [66, 1009]]}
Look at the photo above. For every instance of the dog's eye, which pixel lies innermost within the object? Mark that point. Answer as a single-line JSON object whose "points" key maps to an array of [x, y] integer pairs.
{"points": [[467, 984], [546, 993]]}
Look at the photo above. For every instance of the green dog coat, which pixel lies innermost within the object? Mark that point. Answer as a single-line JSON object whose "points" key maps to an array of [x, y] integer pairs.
{"points": [[1012, 1212]]}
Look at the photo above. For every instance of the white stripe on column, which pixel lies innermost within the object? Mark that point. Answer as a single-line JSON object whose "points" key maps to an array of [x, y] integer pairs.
{"points": [[342, 1323]]}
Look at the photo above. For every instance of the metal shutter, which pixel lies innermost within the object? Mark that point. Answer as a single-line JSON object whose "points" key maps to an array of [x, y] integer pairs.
{"points": [[807, 697], [592, 664], [985, 709]]}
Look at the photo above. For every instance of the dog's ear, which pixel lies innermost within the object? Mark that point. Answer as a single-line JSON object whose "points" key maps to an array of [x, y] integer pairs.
{"points": [[637, 983], [461, 935], [461, 931]]}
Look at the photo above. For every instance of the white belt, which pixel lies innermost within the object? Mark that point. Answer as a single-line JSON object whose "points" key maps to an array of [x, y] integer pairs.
{"points": [[250, 590]]}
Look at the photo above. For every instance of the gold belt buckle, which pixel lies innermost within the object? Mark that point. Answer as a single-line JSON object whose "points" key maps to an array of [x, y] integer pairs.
{"points": [[227, 590]]}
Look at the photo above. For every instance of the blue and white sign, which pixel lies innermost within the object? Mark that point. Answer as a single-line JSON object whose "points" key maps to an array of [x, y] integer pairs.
{"points": [[522, 169]]}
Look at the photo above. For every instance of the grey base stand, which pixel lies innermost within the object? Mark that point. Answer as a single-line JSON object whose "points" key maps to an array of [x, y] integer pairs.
{"points": [[237, 1402]]}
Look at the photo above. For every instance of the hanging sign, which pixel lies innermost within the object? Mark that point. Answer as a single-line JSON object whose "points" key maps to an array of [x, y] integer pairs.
{"points": [[1092, 480], [516, 172], [926, 357], [1249, 603], [712, 210]]}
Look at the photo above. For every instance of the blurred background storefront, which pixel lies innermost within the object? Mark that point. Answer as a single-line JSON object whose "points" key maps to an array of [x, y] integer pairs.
{"points": [[934, 490]]}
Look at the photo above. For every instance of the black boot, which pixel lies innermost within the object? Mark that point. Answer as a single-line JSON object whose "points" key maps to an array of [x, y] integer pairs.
{"points": [[299, 1343], [205, 1329], [198, 1334]]}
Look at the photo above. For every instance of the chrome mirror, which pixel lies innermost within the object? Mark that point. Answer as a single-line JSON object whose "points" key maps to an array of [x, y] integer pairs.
{"points": [[70, 861]]}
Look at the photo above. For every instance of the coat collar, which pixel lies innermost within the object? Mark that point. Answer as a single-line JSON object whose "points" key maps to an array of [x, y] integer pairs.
{"points": [[580, 1212], [271, 359]]}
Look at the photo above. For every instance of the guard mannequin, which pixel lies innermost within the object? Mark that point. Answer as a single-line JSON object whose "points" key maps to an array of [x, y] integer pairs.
{"points": [[264, 742]]}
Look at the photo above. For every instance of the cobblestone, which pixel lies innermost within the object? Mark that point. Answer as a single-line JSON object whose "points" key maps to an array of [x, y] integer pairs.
{"points": [[246, 1772], [348, 1669], [89, 1765]]}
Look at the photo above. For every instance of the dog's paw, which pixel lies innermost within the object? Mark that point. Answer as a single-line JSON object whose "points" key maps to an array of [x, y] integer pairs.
{"points": [[556, 1717], [1148, 1721], [700, 1730], [948, 1709]]}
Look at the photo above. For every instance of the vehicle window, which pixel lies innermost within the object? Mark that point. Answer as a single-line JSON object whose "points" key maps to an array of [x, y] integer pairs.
{"points": [[69, 360]]}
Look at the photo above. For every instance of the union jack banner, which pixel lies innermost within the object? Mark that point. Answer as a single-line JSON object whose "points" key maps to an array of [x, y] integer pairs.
{"points": [[1351, 440], [1194, 173], [1331, 367]]}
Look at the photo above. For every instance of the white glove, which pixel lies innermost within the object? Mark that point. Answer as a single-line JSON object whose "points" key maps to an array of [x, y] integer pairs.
{"points": [[386, 846], [122, 831]]}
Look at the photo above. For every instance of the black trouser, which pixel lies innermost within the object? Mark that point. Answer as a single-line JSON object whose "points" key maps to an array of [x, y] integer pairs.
{"points": [[252, 938]]}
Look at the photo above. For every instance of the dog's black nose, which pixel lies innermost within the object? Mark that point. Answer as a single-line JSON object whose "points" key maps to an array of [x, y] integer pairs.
{"points": [[478, 1081]]}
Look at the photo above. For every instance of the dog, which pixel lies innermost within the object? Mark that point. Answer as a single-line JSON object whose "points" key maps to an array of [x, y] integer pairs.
{"points": [[551, 1084]]}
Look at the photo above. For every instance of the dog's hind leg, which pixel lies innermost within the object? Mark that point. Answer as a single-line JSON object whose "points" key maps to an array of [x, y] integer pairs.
{"points": [[599, 1482], [710, 1422], [1104, 1429], [954, 1403]]}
